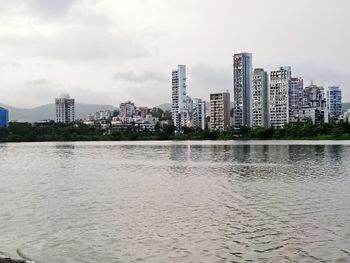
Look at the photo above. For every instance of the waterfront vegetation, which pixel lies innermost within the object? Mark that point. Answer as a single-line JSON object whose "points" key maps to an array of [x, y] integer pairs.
{"points": [[26, 132]]}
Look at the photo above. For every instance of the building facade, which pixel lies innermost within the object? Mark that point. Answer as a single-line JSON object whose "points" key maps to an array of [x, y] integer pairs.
{"points": [[220, 111], [260, 105], [311, 115], [296, 94], [4, 117], [334, 102], [127, 109], [314, 96], [143, 111], [279, 97], [199, 114], [65, 109], [242, 89], [179, 97]]}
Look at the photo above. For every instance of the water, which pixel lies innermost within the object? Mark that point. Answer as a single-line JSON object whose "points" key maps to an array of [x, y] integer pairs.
{"points": [[176, 201]]}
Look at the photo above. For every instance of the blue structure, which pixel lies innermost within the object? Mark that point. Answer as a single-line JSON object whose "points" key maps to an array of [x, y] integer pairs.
{"points": [[334, 102], [4, 117]]}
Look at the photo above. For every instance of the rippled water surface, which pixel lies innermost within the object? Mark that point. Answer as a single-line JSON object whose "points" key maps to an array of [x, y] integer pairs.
{"points": [[176, 202]]}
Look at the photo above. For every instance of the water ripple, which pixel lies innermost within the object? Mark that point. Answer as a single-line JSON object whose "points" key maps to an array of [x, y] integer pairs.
{"points": [[176, 202]]}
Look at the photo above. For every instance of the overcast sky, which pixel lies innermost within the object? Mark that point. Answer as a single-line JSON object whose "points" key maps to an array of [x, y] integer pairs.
{"points": [[109, 51]]}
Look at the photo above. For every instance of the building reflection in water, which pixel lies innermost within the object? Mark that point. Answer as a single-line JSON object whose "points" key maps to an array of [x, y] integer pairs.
{"points": [[65, 154]]}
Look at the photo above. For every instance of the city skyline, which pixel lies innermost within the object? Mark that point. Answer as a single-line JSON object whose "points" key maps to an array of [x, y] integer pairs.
{"points": [[111, 51]]}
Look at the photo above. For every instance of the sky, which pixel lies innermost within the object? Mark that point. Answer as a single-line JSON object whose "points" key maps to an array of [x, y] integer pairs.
{"points": [[110, 51]]}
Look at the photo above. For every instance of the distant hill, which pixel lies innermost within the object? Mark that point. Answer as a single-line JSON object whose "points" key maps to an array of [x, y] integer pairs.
{"points": [[47, 112], [164, 106]]}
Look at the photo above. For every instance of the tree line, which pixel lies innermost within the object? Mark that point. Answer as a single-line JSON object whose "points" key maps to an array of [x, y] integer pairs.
{"points": [[27, 132]]}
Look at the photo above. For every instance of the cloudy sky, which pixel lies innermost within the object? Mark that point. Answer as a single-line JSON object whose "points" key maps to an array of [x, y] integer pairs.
{"points": [[108, 51]]}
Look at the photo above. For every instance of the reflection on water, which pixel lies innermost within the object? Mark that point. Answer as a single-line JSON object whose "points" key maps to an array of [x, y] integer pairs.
{"points": [[176, 202]]}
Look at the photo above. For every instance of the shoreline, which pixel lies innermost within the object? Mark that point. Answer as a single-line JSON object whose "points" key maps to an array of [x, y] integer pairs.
{"points": [[187, 142]]}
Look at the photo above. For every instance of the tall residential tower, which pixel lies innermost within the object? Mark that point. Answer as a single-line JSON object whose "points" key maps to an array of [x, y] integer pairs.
{"points": [[64, 109], [242, 89], [220, 111], [199, 112], [296, 92], [279, 97], [334, 102], [260, 112], [179, 97]]}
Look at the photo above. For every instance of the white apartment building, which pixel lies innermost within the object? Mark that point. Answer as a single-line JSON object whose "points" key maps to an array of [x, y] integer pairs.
{"points": [[179, 97], [127, 109], [260, 105], [311, 115], [279, 97], [220, 111], [65, 109]]}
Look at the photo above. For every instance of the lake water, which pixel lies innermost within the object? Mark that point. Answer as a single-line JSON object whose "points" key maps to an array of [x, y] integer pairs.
{"points": [[176, 201]]}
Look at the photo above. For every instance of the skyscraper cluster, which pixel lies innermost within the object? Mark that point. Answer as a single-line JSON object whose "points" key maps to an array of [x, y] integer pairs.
{"points": [[259, 99]]}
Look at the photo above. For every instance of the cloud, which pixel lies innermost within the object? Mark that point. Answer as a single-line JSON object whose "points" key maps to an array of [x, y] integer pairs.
{"points": [[115, 48], [38, 90], [38, 82], [46, 8], [42, 91], [139, 77], [11, 64], [76, 44], [204, 79]]}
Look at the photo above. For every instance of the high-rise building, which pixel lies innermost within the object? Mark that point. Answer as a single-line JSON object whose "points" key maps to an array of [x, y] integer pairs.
{"points": [[242, 89], [260, 112], [314, 97], [313, 108], [220, 111], [4, 117], [279, 98], [127, 109], [334, 102], [64, 109], [199, 112], [296, 90], [179, 97]]}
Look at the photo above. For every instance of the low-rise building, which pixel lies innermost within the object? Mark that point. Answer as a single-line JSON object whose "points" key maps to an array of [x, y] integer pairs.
{"points": [[346, 116], [100, 115], [311, 115]]}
